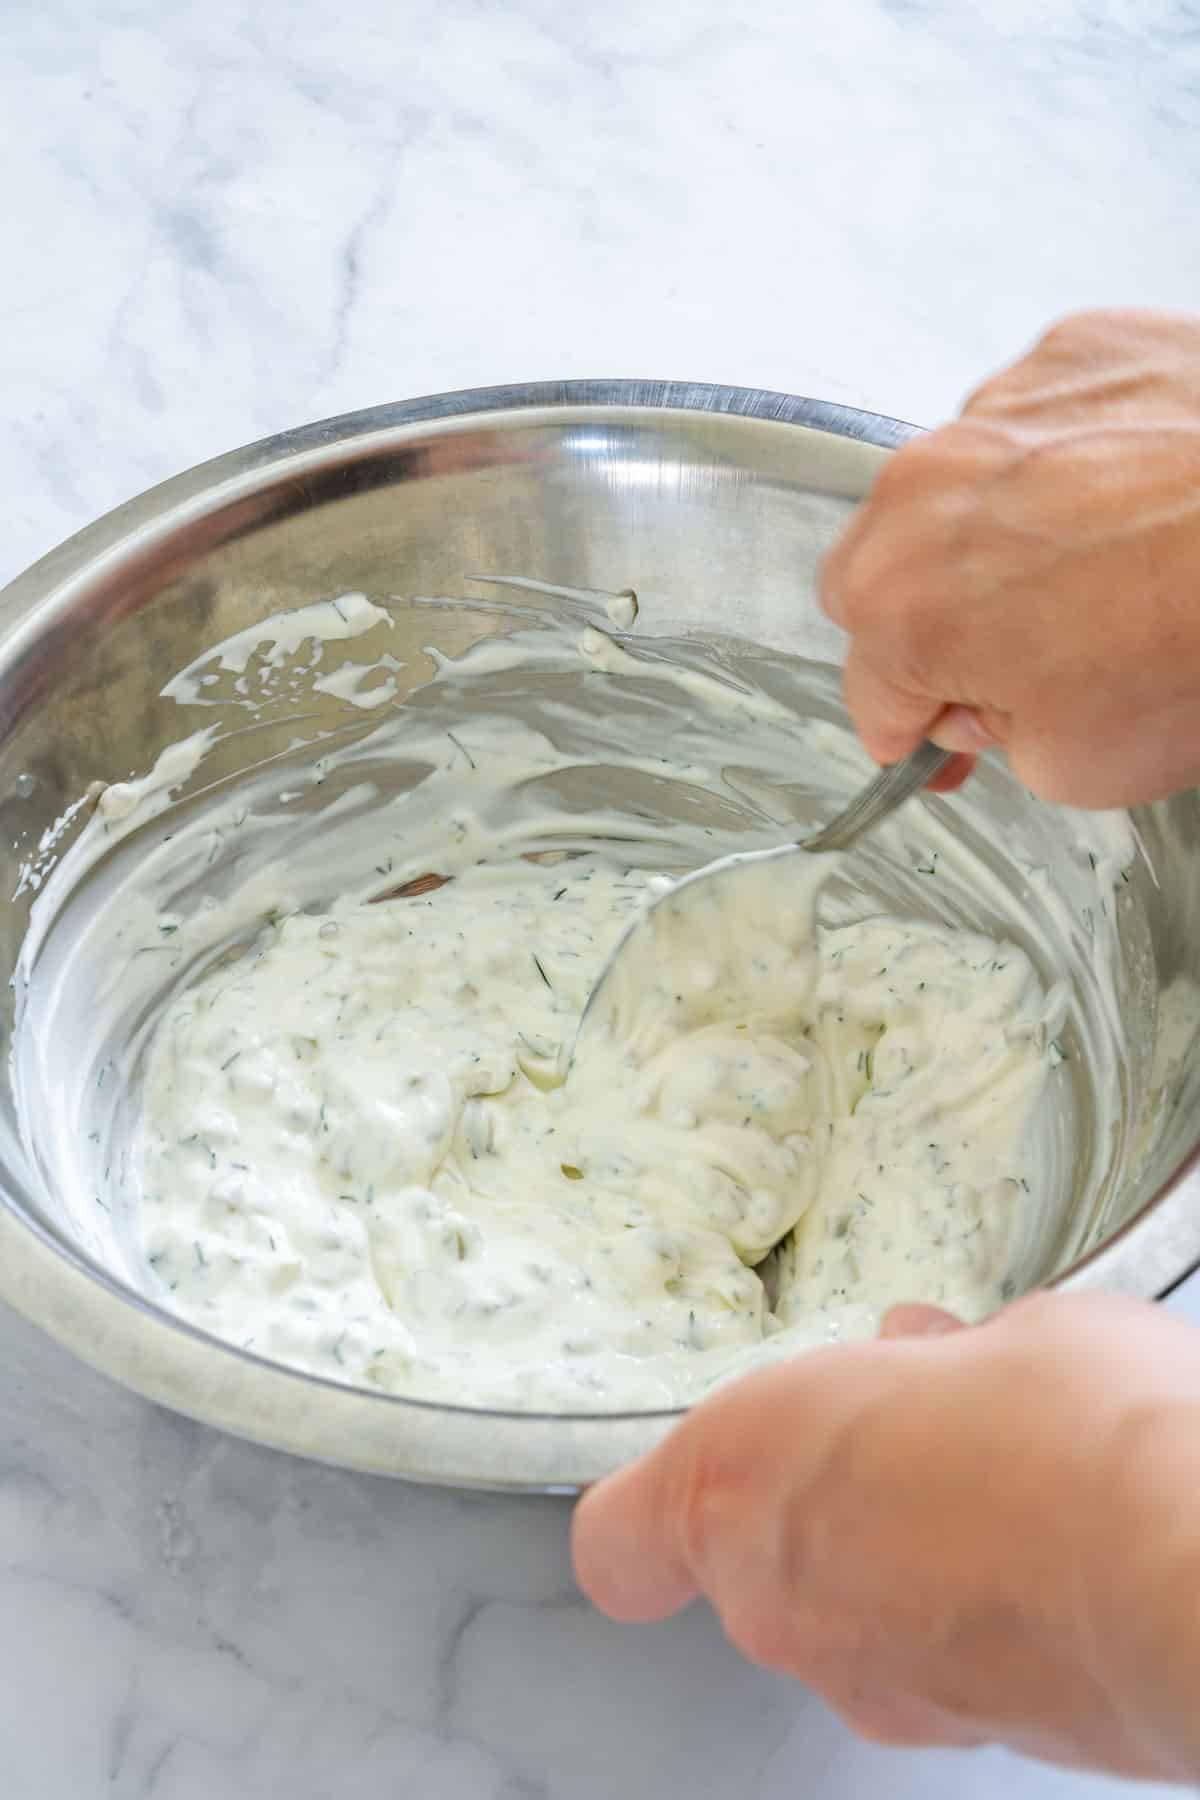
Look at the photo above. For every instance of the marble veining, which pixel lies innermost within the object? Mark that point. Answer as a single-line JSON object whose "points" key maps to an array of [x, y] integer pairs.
{"points": [[224, 220]]}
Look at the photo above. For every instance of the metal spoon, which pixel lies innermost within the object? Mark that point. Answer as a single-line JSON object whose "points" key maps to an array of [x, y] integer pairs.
{"points": [[890, 789], [732, 894]]}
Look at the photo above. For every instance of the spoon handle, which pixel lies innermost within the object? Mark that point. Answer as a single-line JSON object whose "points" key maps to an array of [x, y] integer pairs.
{"points": [[890, 788]]}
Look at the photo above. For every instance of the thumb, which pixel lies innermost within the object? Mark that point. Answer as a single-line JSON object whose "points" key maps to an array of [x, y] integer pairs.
{"points": [[962, 728], [627, 1556], [647, 1539]]}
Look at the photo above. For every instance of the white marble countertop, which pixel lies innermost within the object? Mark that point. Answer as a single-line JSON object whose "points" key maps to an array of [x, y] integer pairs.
{"points": [[228, 219]]}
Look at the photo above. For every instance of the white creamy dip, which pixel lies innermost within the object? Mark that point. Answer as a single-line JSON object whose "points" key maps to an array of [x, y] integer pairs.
{"points": [[350, 1134], [357, 1152]]}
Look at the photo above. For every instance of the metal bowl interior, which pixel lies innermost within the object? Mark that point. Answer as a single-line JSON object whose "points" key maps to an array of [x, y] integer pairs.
{"points": [[715, 505]]}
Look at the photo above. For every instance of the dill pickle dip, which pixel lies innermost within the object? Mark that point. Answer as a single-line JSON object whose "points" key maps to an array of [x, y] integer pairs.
{"points": [[354, 1137]]}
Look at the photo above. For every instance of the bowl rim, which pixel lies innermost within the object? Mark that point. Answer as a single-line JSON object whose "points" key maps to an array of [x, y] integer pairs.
{"points": [[1166, 1227], [158, 511]]}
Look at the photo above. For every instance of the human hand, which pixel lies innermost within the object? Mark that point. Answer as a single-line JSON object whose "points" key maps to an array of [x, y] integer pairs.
{"points": [[1029, 575], [956, 1535]]}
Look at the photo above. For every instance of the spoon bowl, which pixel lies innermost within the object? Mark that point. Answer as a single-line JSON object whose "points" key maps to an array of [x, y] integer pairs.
{"points": [[692, 948]]}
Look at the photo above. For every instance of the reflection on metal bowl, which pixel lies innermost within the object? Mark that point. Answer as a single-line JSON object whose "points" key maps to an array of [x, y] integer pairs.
{"points": [[713, 504]]}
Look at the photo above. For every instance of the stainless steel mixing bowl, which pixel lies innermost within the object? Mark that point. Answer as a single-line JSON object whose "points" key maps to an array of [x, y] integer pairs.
{"points": [[715, 504]]}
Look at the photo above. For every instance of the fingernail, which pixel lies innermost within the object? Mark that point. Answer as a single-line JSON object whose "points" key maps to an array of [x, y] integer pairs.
{"points": [[914, 1320], [961, 728]]}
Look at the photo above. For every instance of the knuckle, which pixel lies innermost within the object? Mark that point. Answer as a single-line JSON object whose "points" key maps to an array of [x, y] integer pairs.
{"points": [[881, 1724], [831, 581], [850, 592], [909, 465], [886, 584], [1068, 340], [763, 1633], [1083, 330], [998, 403], [997, 392], [939, 473], [900, 584], [1065, 332], [855, 601], [1096, 335], [710, 1504]]}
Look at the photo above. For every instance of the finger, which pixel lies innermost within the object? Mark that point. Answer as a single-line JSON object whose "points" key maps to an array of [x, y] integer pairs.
{"points": [[952, 776], [688, 1517], [961, 728], [868, 555], [919, 1321], [890, 720], [835, 562], [627, 1557]]}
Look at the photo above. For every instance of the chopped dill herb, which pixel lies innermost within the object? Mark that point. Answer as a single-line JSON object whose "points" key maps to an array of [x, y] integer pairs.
{"points": [[541, 971]]}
